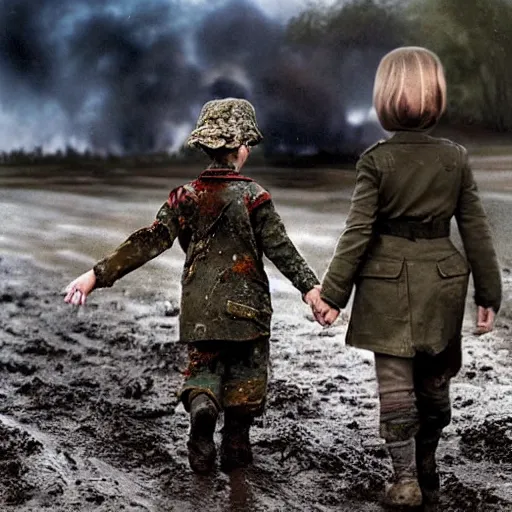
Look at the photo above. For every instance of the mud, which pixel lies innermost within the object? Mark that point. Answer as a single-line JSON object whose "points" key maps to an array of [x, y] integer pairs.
{"points": [[89, 418]]}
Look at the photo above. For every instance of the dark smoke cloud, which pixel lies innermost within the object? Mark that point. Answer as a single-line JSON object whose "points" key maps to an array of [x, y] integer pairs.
{"points": [[139, 70], [293, 103], [24, 50], [130, 76], [299, 93]]}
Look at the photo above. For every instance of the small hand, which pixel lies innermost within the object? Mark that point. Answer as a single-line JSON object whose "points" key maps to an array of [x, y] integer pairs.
{"points": [[331, 316], [313, 295], [485, 320], [311, 299], [324, 314], [78, 289]]}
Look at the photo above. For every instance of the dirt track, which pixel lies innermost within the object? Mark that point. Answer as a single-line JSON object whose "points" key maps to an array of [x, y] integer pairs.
{"points": [[88, 413]]}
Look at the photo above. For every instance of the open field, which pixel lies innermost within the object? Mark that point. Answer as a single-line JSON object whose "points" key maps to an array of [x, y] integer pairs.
{"points": [[89, 419]]}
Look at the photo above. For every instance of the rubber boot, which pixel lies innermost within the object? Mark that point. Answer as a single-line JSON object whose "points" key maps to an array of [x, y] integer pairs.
{"points": [[428, 476], [235, 451], [404, 491], [201, 448]]}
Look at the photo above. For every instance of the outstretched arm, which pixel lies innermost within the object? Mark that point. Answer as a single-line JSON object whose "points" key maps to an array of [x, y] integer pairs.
{"points": [[140, 247]]}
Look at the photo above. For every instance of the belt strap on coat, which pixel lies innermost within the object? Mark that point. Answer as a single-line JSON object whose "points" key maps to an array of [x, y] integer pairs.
{"points": [[412, 229]]}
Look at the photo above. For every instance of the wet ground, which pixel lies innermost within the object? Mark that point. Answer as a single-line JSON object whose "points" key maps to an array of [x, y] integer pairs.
{"points": [[89, 418]]}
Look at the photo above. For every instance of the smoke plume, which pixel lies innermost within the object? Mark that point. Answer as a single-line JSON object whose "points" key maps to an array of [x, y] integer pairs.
{"points": [[130, 76]]}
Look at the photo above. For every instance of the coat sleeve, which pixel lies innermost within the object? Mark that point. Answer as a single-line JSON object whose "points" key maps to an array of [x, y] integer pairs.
{"points": [[353, 244], [477, 240], [271, 236], [140, 247]]}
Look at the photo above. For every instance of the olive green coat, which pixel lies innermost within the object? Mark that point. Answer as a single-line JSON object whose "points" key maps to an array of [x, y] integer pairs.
{"points": [[410, 294]]}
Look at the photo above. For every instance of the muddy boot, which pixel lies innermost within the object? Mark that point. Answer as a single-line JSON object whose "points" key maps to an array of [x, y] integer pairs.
{"points": [[427, 468], [235, 450], [404, 491], [201, 448]]}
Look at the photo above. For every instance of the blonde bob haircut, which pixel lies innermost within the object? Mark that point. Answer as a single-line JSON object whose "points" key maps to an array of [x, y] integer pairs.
{"points": [[410, 89]]}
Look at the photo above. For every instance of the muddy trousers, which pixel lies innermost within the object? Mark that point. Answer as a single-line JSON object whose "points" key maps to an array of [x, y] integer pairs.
{"points": [[414, 408], [233, 375]]}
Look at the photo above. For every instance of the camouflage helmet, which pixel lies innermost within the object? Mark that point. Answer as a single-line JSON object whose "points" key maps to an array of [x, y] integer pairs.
{"points": [[228, 123]]}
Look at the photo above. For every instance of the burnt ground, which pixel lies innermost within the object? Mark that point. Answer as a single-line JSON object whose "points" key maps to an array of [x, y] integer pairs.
{"points": [[89, 418]]}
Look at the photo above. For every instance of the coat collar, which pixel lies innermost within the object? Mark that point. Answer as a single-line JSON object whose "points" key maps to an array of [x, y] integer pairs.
{"points": [[222, 174], [408, 136]]}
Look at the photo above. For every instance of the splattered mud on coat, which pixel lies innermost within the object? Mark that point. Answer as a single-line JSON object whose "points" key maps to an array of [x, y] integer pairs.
{"points": [[224, 222]]}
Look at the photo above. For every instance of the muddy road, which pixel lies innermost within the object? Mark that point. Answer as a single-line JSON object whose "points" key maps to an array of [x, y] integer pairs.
{"points": [[89, 419]]}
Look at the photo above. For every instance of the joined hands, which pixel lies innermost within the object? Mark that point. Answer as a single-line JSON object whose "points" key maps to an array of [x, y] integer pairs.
{"points": [[323, 313]]}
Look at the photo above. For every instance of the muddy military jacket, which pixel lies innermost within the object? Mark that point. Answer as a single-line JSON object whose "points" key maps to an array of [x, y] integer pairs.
{"points": [[410, 293], [224, 222]]}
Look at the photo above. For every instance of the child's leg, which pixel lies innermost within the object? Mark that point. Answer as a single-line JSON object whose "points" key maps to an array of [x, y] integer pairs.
{"points": [[201, 397], [435, 414], [432, 377], [243, 396], [399, 424]]}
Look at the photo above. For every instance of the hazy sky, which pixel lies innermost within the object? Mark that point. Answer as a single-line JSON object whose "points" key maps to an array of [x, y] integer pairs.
{"points": [[131, 75], [279, 8]]}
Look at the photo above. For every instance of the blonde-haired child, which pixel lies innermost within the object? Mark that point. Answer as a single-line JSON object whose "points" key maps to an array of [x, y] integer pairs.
{"points": [[410, 280]]}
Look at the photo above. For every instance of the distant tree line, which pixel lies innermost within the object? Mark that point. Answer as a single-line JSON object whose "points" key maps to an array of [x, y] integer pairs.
{"points": [[472, 38], [71, 156]]}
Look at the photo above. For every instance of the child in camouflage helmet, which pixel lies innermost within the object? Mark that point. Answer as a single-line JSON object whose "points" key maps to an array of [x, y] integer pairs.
{"points": [[224, 222]]}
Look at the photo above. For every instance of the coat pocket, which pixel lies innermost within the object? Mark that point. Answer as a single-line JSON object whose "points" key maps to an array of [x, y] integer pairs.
{"points": [[453, 266], [381, 295], [244, 312], [383, 269], [449, 297]]}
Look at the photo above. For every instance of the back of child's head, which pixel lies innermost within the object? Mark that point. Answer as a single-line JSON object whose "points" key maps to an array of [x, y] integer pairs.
{"points": [[410, 89], [225, 125]]}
